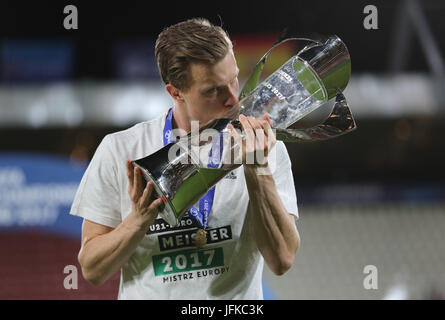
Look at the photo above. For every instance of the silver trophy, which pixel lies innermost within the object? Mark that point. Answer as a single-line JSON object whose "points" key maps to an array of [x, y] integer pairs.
{"points": [[319, 72]]}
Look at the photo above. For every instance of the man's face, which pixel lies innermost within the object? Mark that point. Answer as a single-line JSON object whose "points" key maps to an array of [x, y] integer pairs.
{"points": [[213, 90]]}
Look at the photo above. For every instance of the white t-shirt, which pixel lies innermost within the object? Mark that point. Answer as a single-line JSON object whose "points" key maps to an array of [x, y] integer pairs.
{"points": [[166, 264]]}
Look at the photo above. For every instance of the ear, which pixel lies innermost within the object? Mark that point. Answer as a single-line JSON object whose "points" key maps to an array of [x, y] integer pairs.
{"points": [[174, 92]]}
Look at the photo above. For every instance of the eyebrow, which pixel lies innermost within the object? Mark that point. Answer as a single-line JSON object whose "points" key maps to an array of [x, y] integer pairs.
{"points": [[212, 85]]}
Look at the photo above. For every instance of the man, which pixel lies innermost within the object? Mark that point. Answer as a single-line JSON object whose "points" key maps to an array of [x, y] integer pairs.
{"points": [[252, 217]]}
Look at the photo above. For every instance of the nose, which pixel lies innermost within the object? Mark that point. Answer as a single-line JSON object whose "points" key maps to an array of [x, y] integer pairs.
{"points": [[232, 98]]}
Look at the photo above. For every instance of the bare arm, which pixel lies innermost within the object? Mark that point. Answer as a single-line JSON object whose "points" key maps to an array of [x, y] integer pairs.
{"points": [[275, 231], [105, 250]]}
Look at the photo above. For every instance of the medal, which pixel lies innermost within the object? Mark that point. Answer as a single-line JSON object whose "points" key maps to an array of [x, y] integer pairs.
{"points": [[200, 238]]}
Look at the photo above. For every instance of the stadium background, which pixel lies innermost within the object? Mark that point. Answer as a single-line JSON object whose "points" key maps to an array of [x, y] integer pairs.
{"points": [[373, 197]]}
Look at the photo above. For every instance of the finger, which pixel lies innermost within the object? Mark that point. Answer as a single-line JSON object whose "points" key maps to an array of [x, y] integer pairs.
{"points": [[268, 119], [156, 206], [235, 134], [270, 136], [258, 126], [267, 128], [266, 122], [137, 183], [260, 146], [254, 123], [264, 138], [238, 145], [130, 174], [146, 195], [248, 132], [249, 145], [260, 138]]}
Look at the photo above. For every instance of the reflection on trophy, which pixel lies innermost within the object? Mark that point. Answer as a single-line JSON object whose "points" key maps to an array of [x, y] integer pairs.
{"points": [[318, 73]]}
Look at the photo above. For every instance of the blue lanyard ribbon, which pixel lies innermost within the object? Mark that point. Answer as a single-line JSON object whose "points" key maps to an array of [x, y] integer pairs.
{"points": [[199, 217], [168, 128]]}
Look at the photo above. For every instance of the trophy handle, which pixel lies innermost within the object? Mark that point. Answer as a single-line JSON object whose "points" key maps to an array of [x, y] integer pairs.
{"points": [[254, 77], [339, 122]]}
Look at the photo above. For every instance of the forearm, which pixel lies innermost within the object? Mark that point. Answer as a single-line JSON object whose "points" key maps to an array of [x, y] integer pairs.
{"points": [[275, 231], [103, 255]]}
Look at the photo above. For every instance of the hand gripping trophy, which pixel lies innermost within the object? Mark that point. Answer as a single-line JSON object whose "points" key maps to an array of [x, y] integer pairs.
{"points": [[316, 74]]}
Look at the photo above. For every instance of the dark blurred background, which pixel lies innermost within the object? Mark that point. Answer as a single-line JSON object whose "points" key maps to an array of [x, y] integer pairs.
{"points": [[62, 91], [113, 46]]}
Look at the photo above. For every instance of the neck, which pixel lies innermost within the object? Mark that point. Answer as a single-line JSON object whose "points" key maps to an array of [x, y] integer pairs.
{"points": [[181, 120]]}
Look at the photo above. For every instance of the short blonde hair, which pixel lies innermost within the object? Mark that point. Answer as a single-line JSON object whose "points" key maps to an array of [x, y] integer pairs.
{"points": [[191, 41]]}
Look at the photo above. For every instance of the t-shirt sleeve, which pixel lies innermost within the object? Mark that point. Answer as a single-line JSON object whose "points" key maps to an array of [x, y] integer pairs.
{"points": [[281, 168], [98, 199]]}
